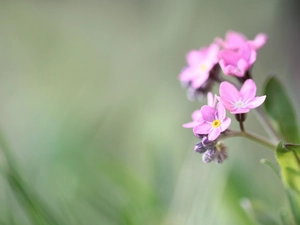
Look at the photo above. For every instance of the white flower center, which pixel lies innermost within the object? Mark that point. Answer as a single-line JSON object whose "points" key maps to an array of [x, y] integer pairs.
{"points": [[239, 104]]}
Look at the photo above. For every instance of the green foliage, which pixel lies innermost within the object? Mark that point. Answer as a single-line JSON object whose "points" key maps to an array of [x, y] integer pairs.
{"points": [[271, 166], [294, 200], [280, 110], [36, 210], [243, 200], [287, 157], [290, 167], [259, 212]]}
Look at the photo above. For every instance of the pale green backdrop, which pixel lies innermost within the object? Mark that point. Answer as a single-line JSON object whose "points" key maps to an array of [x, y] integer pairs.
{"points": [[92, 108]]}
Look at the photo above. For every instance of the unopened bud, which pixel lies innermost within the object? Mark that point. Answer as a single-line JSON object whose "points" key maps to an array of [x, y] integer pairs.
{"points": [[221, 152], [209, 155], [199, 148], [207, 143]]}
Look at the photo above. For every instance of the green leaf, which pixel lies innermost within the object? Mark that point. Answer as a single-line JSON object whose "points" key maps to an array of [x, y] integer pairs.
{"points": [[287, 156], [271, 165], [36, 209], [289, 162], [294, 200], [280, 111]]}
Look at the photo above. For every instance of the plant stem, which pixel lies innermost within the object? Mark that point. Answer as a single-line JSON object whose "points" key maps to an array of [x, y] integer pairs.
{"points": [[242, 126], [250, 136]]}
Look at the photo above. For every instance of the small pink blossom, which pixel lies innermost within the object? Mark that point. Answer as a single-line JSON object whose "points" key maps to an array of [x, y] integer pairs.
{"points": [[240, 101], [236, 63], [235, 40], [200, 62], [196, 115], [215, 121]]}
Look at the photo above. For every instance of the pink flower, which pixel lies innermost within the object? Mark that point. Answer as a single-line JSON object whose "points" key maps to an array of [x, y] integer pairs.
{"points": [[196, 115], [215, 121], [200, 62], [237, 62], [240, 101], [235, 40]]}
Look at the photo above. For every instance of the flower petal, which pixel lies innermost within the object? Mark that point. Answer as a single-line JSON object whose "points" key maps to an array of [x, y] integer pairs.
{"points": [[203, 128], [196, 115], [221, 111], [229, 92], [225, 124], [227, 104], [257, 101], [194, 57], [229, 57], [191, 124], [245, 51], [239, 111], [234, 39], [243, 66], [208, 113], [252, 57], [248, 90], [187, 74], [219, 41], [231, 70], [210, 99], [200, 79], [259, 41], [213, 134], [212, 54]]}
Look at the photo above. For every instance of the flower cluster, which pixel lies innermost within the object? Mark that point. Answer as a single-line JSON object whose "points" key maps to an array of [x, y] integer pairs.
{"points": [[235, 56]]}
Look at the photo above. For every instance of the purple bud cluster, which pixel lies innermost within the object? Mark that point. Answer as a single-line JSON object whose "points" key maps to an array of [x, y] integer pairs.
{"points": [[211, 150]]}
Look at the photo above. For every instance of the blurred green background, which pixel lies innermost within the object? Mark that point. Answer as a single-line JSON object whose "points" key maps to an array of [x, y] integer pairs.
{"points": [[92, 108]]}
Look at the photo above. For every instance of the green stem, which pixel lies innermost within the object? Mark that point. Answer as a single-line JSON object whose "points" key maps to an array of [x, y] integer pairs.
{"points": [[253, 137]]}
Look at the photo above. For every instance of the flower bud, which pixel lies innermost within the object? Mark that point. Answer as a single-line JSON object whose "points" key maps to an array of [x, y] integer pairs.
{"points": [[207, 143], [200, 148], [221, 152], [209, 155]]}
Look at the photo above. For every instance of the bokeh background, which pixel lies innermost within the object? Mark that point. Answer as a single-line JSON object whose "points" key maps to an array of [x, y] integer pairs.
{"points": [[92, 109]]}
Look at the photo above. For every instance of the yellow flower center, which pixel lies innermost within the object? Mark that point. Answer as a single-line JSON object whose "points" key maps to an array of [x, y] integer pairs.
{"points": [[216, 123], [203, 67]]}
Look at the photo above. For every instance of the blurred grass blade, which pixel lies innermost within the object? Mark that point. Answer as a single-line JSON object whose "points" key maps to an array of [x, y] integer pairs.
{"points": [[35, 209], [286, 217], [294, 200], [235, 190], [31, 203], [259, 212], [280, 110]]}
